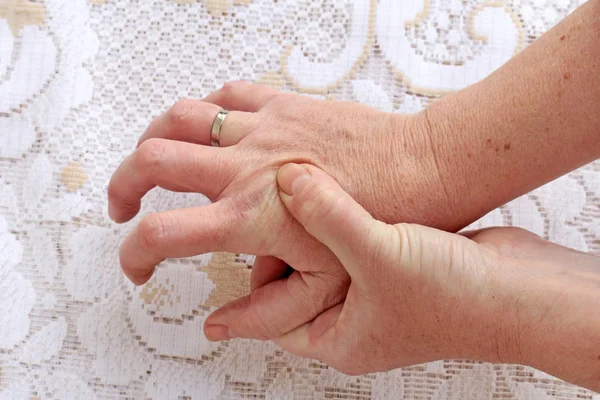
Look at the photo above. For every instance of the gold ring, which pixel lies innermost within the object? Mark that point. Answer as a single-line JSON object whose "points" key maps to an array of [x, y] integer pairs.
{"points": [[215, 132]]}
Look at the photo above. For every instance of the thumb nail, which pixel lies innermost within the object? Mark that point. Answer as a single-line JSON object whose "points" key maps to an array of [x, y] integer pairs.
{"points": [[291, 178]]}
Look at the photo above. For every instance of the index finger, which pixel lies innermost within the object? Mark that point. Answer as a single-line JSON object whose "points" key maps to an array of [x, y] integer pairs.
{"points": [[172, 165]]}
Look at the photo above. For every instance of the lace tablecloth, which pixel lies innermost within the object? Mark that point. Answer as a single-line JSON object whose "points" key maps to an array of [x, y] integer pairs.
{"points": [[80, 80]]}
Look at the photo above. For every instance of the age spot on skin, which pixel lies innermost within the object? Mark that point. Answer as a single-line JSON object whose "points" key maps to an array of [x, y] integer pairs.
{"points": [[497, 149], [562, 38], [567, 75], [507, 147]]}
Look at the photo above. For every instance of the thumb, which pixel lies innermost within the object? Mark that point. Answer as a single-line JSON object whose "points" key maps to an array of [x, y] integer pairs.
{"points": [[328, 213]]}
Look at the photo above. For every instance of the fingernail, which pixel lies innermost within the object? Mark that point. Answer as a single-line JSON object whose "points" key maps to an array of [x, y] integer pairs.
{"points": [[216, 333], [291, 178]]}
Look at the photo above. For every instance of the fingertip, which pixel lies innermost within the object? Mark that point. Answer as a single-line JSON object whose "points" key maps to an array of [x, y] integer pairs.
{"points": [[137, 279], [119, 215], [138, 276], [114, 216]]}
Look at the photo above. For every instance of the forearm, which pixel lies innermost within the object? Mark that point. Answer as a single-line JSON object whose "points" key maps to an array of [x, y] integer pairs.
{"points": [[533, 120]]}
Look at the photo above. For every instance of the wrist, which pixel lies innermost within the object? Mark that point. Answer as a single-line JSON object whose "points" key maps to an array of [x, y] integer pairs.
{"points": [[546, 315], [422, 175], [557, 318]]}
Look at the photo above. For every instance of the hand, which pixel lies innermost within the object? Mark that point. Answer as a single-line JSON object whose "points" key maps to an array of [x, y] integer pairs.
{"points": [[418, 294], [265, 130]]}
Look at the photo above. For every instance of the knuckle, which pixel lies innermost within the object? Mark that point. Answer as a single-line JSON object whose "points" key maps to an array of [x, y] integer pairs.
{"points": [[259, 329], [305, 300], [152, 230], [181, 111], [516, 230], [321, 292], [231, 86], [150, 154], [259, 325], [383, 245]]}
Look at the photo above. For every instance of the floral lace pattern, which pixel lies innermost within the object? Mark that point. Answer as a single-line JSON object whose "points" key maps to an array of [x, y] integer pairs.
{"points": [[80, 80]]}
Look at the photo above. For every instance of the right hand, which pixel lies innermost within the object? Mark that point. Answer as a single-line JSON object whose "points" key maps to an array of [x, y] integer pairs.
{"points": [[418, 294]]}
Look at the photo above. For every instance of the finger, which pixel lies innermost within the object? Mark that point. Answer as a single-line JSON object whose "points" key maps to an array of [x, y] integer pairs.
{"points": [[313, 339], [267, 269], [242, 96], [173, 166], [181, 233], [277, 308], [328, 213], [192, 120]]}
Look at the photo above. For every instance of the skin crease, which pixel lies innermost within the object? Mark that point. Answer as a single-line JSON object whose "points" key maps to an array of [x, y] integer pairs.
{"points": [[444, 167]]}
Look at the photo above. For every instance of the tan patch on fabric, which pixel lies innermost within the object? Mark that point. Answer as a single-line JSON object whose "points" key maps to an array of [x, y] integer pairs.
{"points": [[313, 374], [473, 34], [350, 75], [21, 13], [272, 79], [231, 277], [98, 1], [74, 176], [417, 90], [160, 295], [420, 16]]}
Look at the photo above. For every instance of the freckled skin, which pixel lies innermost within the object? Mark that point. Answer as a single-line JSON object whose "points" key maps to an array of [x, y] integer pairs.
{"points": [[507, 146]]}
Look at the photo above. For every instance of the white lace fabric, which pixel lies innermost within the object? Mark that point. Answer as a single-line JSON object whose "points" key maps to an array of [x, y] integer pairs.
{"points": [[79, 82]]}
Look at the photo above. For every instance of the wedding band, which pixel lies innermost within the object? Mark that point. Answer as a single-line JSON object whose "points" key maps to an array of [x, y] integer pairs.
{"points": [[215, 132]]}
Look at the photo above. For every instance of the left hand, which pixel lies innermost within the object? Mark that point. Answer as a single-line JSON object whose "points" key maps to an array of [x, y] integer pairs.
{"points": [[265, 130]]}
